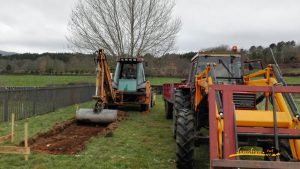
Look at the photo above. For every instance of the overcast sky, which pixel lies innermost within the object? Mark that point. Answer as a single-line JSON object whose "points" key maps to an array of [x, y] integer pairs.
{"points": [[41, 25]]}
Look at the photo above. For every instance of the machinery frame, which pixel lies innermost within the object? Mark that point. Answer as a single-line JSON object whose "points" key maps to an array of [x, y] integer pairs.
{"points": [[229, 133]]}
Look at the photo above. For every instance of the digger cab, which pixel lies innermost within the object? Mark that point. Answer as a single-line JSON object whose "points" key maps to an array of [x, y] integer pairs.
{"points": [[129, 75], [130, 84]]}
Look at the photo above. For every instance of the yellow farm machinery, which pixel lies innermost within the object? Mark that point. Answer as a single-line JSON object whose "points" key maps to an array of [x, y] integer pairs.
{"points": [[127, 87], [247, 110]]}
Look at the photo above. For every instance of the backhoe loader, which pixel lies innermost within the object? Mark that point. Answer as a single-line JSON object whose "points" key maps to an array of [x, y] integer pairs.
{"points": [[128, 87]]}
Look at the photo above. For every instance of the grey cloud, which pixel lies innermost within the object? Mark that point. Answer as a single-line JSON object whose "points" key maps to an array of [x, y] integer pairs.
{"points": [[34, 25], [208, 23], [41, 25]]}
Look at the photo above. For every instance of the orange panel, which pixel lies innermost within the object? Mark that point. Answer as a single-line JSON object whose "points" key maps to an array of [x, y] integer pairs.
{"points": [[261, 118]]}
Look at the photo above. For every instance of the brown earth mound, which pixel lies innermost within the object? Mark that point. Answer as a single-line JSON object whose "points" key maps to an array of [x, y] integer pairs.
{"points": [[70, 137]]}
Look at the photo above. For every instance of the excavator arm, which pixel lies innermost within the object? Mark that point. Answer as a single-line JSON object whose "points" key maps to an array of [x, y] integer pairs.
{"points": [[104, 95], [104, 91]]}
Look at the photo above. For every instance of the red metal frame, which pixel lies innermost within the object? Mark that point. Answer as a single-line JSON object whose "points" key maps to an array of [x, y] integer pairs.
{"points": [[228, 133], [168, 89]]}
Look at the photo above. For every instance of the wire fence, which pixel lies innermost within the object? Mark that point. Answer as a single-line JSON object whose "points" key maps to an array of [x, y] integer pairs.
{"points": [[30, 101]]}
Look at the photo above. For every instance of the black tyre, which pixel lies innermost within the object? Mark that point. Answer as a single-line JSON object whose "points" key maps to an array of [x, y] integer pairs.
{"points": [[145, 107], [174, 126], [168, 110], [185, 139], [182, 100]]}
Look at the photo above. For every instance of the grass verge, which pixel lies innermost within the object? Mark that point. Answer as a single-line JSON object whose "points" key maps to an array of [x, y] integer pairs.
{"points": [[162, 80], [44, 80], [292, 80], [142, 141]]}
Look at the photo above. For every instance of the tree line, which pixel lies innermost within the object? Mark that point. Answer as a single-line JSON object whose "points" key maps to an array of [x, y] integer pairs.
{"points": [[287, 54], [78, 63], [284, 52]]}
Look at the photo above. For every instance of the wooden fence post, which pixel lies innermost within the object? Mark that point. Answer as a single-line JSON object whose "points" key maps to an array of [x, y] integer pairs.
{"points": [[5, 105], [12, 138], [26, 138]]}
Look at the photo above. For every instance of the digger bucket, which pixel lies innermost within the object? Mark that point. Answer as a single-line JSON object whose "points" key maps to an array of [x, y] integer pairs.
{"points": [[105, 116]]}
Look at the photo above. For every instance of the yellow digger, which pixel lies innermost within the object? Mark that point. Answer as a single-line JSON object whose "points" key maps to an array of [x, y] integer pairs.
{"points": [[128, 87]]}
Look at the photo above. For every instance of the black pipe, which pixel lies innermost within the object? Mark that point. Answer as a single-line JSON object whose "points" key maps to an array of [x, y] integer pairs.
{"points": [[275, 122], [288, 97], [214, 80]]}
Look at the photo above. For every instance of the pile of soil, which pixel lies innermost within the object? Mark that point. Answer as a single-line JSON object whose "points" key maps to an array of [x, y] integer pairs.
{"points": [[70, 137]]}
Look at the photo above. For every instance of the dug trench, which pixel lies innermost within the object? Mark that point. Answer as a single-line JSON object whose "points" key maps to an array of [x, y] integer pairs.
{"points": [[70, 137]]}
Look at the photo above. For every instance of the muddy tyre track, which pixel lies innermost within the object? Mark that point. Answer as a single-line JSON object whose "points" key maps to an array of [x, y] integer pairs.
{"points": [[70, 137]]}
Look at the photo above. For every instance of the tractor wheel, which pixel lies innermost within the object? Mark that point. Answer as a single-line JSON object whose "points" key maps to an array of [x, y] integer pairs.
{"points": [[145, 107], [185, 139], [181, 101], [174, 126], [168, 110]]}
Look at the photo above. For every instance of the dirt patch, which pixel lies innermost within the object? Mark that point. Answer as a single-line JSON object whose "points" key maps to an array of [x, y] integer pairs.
{"points": [[70, 137]]}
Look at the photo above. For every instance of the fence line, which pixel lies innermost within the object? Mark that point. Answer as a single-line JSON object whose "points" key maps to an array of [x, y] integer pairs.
{"points": [[30, 101]]}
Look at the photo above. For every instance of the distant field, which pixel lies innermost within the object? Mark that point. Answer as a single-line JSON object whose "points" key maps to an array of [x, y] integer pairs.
{"points": [[292, 80], [162, 80], [290, 70], [44, 80]]}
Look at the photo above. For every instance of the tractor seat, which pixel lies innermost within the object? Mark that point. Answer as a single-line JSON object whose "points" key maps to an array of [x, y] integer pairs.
{"points": [[261, 118]]}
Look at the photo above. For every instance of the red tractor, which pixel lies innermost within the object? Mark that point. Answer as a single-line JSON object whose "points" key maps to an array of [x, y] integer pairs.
{"points": [[241, 105]]}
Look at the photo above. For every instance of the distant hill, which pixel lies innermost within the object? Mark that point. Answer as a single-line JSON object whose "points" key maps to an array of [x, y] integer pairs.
{"points": [[4, 53]]}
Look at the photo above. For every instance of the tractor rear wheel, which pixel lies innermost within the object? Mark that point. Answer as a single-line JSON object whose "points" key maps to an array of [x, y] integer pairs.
{"points": [[145, 107], [182, 100], [185, 139], [168, 110]]}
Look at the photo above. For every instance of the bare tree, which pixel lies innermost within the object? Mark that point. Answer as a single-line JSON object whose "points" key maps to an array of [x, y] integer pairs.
{"points": [[124, 27]]}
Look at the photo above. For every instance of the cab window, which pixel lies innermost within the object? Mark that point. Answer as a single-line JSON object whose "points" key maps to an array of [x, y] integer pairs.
{"points": [[193, 71]]}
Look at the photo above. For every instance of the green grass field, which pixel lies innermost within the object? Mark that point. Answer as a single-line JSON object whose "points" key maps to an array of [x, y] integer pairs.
{"points": [[292, 80], [44, 80], [162, 80], [289, 70], [141, 141]]}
